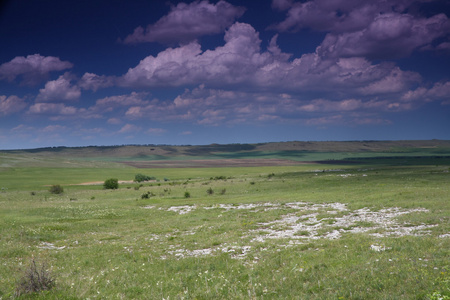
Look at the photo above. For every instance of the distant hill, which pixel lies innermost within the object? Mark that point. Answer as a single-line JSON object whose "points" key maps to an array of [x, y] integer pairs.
{"points": [[230, 155], [168, 151]]}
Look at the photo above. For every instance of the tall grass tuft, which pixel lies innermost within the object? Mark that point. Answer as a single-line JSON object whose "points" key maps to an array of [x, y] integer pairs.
{"points": [[35, 278]]}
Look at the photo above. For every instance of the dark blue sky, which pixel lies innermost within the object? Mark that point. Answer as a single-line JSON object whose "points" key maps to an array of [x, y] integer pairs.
{"points": [[77, 73]]}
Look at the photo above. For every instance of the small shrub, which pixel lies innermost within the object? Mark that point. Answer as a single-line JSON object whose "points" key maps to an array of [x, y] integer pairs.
{"points": [[35, 279], [141, 177], [147, 195], [111, 184], [187, 195], [218, 178], [56, 189], [33, 193], [210, 191], [223, 191]]}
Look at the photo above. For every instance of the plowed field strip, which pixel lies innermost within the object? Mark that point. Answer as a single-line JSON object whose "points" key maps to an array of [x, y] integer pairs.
{"points": [[212, 163]]}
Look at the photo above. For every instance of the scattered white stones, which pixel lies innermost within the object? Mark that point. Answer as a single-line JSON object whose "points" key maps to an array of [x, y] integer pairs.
{"points": [[345, 175], [236, 252], [182, 253], [228, 207], [307, 227], [50, 246], [305, 222], [419, 230], [182, 209], [378, 248], [314, 207], [148, 207]]}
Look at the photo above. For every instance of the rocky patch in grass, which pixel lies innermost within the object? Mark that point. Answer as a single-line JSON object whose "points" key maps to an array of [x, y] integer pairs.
{"points": [[308, 222]]}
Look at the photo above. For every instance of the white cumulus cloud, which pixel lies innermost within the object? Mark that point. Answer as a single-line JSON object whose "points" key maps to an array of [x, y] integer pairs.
{"points": [[60, 89], [91, 81], [130, 128], [33, 68], [388, 36], [186, 22], [242, 63], [11, 104], [52, 109]]}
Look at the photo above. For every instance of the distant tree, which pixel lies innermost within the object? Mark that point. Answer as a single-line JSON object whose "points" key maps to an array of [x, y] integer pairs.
{"points": [[141, 177], [111, 183]]}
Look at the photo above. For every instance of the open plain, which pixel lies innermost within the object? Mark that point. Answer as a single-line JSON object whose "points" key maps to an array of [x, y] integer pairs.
{"points": [[297, 220]]}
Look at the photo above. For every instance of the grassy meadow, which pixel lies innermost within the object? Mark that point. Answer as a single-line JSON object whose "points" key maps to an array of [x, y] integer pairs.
{"points": [[376, 227]]}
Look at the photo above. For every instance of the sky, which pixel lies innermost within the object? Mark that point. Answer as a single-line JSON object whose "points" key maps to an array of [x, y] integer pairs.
{"points": [[115, 72]]}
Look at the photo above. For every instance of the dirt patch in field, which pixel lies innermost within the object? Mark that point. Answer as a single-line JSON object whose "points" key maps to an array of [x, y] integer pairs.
{"points": [[101, 182], [213, 163]]}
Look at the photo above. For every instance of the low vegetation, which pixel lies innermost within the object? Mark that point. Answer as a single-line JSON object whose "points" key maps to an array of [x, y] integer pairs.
{"points": [[55, 189], [210, 191], [373, 230], [35, 278], [141, 177], [111, 184]]}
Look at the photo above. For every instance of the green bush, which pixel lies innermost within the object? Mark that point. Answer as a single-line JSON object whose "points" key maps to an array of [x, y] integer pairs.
{"points": [[111, 184], [56, 189], [187, 195], [147, 195], [141, 177], [210, 191]]}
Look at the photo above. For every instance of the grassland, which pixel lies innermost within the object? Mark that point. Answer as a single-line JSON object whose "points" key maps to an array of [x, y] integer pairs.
{"points": [[374, 225]]}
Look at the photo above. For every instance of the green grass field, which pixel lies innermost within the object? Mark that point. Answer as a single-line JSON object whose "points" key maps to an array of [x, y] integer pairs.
{"points": [[375, 229]]}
